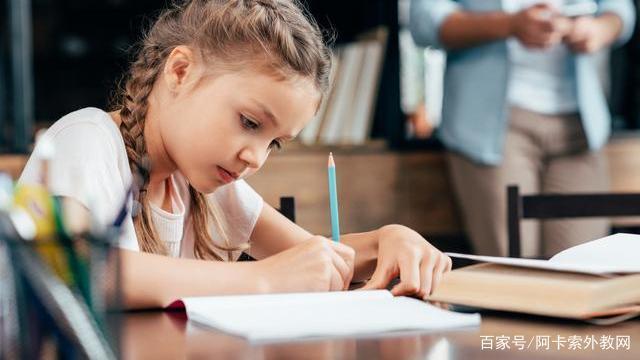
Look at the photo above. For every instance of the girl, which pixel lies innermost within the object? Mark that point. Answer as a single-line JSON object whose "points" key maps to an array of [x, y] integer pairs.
{"points": [[216, 86]]}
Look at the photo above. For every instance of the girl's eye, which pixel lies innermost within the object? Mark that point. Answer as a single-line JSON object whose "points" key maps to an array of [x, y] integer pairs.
{"points": [[253, 125], [248, 123], [276, 144]]}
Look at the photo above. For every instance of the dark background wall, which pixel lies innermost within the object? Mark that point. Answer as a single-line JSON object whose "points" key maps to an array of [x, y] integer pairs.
{"points": [[80, 51]]}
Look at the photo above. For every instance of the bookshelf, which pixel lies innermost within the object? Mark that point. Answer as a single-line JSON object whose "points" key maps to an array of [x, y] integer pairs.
{"points": [[349, 20], [79, 53]]}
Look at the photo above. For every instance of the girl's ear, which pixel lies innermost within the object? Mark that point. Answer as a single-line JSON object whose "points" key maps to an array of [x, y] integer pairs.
{"points": [[179, 69]]}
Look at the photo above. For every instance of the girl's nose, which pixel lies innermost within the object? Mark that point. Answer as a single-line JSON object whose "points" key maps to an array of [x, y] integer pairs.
{"points": [[253, 156]]}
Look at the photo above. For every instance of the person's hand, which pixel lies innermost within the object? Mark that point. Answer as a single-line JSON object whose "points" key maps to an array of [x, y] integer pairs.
{"points": [[539, 26], [316, 264], [403, 252], [585, 35], [422, 127]]}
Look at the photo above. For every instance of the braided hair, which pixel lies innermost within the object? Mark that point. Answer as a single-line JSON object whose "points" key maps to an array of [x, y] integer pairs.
{"points": [[279, 32]]}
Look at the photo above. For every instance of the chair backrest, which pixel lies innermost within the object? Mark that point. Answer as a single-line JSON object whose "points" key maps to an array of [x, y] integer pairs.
{"points": [[288, 209], [557, 206]]}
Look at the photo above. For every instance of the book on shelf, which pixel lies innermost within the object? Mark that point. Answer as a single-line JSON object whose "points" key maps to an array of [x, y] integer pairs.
{"points": [[597, 281], [360, 118], [337, 114], [309, 135], [346, 114]]}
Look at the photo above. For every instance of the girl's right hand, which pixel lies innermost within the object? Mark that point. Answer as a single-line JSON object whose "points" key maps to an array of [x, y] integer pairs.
{"points": [[317, 264]]}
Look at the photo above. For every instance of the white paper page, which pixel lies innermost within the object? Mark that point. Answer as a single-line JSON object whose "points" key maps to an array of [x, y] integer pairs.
{"points": [[351, 315], [620, 251], [532, 263], [236, 302], [598, 269]]}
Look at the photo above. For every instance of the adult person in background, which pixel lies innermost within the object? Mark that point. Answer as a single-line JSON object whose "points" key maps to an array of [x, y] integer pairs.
{"points": [[523, 105]]}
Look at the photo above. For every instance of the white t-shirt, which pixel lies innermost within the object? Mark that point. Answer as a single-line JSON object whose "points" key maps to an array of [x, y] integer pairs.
{"points": [[540, 80], [91, 166]]}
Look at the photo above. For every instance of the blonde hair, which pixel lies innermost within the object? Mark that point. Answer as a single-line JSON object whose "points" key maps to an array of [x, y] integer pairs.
{"points": [[279, 33]]}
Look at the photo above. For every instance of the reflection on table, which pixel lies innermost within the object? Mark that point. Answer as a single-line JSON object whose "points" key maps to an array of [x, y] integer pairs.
{"points": [[169, 335]]}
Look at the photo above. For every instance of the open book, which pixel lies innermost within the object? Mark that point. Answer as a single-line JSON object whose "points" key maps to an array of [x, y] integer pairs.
{"points": [[595, 279], [619, 253], [274, 317]]}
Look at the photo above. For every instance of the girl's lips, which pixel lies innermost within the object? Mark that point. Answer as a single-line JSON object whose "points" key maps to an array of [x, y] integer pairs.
{"points": [[225, 176]]}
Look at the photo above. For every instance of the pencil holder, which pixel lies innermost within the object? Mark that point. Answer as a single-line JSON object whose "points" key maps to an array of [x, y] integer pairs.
{"points": [[60, 298]]}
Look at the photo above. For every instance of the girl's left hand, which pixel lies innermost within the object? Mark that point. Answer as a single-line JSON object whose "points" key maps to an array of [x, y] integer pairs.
{"points": [[403, 252]]}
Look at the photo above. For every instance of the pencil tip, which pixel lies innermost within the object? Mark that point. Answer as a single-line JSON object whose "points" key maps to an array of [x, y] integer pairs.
{"points": [[331, 163]]}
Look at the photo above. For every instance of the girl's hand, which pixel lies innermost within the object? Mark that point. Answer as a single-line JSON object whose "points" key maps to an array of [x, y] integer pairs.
{"points": [[402, 251], [317, 264]]}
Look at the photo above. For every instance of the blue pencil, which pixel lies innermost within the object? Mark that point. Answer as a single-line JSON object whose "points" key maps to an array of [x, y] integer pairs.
{"points": [[333, 200]]}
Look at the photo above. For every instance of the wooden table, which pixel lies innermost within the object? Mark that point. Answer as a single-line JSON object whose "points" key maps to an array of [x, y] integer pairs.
{"points": [[161, 335]]}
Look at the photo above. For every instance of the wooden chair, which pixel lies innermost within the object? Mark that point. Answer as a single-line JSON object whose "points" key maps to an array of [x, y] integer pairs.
{"points": [[557, 206], [288, 209]]}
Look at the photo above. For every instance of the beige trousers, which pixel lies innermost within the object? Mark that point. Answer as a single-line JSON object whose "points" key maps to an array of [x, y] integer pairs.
{"points": [[543, 154]]}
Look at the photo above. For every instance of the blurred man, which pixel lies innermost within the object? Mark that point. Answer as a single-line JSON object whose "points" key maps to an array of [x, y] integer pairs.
{"points": [[523, 105]]}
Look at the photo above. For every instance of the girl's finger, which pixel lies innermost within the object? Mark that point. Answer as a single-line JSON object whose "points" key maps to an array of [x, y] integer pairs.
{"points": [[409, 276], [426, 273], [380, 278], [346, 252], [337, 283], [345, 271], [439, 271]]}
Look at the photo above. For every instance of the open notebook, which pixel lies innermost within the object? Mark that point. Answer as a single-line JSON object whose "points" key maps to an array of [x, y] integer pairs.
{"points": [[593, 280], [275, 317]]}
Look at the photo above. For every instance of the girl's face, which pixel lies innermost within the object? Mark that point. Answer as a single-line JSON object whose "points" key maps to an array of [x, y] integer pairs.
{"points": [[224, 128]]}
